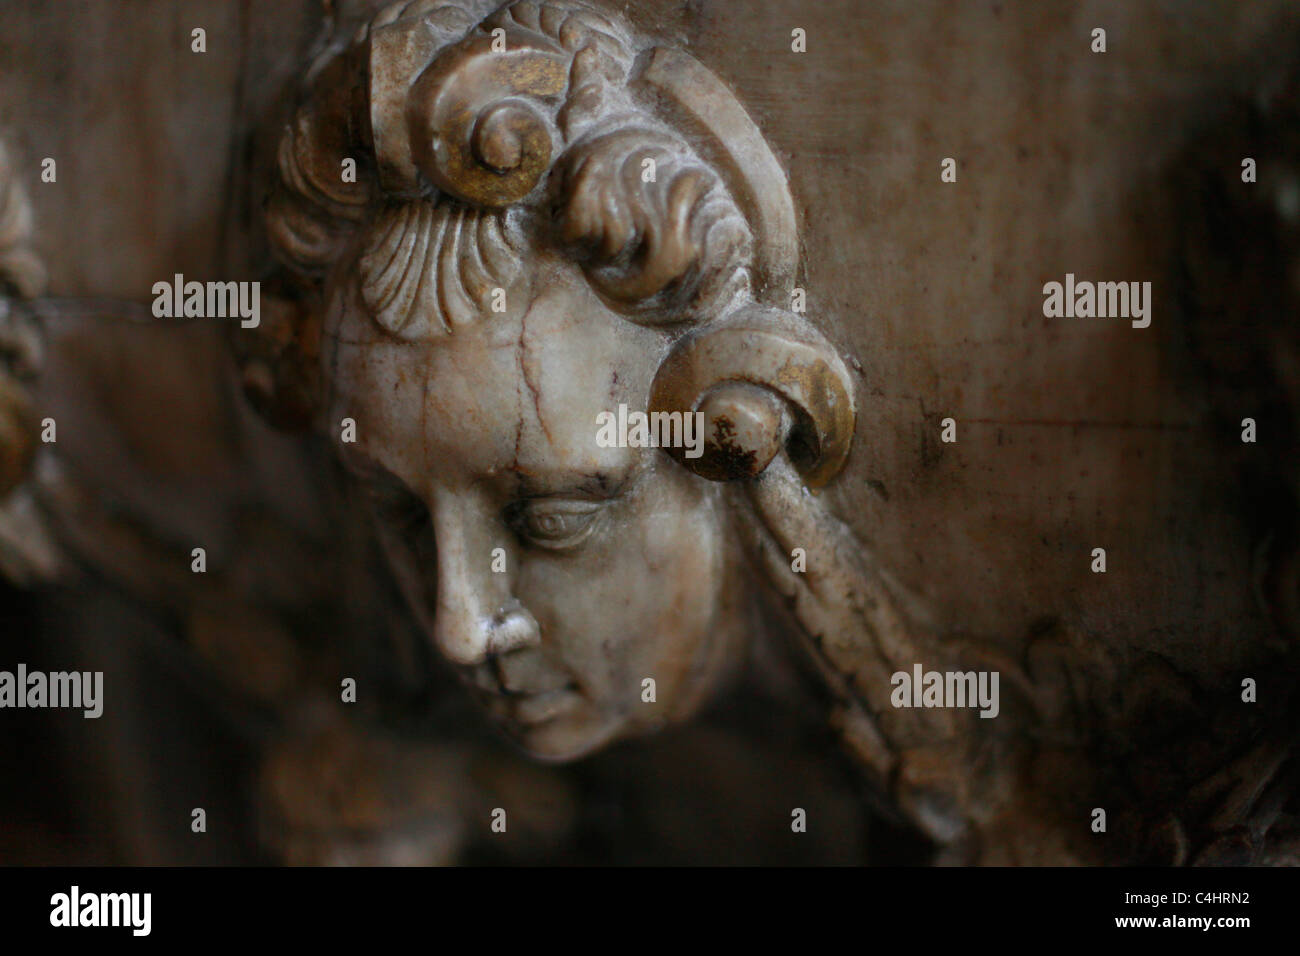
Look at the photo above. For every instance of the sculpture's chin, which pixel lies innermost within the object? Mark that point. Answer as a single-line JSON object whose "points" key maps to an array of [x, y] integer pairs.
{"points": [[567, 738]]}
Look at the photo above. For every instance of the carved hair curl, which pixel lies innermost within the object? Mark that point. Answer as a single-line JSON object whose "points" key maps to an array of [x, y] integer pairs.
{"points": [[450, 114]]}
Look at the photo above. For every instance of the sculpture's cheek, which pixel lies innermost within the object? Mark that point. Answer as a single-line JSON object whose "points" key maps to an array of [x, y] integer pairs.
{"points": [[634, 618]]}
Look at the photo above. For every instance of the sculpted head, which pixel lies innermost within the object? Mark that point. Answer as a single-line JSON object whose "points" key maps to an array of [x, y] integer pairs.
{"points": [[530, 240], [554, 573]]}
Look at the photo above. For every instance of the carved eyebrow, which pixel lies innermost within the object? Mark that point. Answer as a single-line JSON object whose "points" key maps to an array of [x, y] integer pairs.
{"points": [[598, 485]]}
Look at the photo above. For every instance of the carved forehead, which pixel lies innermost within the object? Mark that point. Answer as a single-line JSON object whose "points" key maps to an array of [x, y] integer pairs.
{"points": [[509, 394]]}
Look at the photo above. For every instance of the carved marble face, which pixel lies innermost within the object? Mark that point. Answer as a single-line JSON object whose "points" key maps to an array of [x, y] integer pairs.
{"points": [[556, 575]]}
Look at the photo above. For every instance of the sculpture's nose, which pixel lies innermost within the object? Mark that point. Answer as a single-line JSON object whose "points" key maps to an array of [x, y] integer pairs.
{"points": [[476, 615]]}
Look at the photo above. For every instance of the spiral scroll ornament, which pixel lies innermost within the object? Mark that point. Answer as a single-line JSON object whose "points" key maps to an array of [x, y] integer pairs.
{"points": [[479, 119]]}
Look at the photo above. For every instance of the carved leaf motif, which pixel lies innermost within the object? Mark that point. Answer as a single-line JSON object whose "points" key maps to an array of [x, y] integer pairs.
{"points": [[430, 266]]}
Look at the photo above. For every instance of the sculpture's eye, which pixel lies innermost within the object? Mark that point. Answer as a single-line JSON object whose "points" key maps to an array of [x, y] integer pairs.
{"points": [[555, 523]]}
